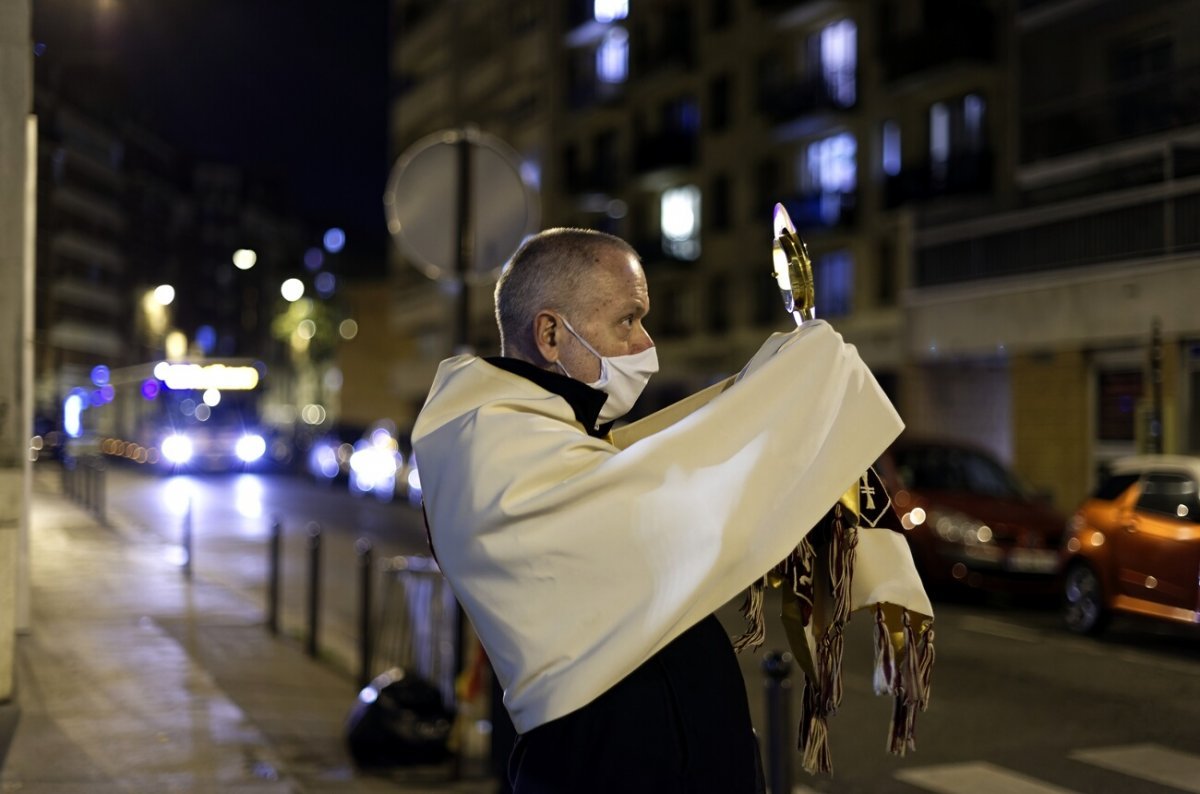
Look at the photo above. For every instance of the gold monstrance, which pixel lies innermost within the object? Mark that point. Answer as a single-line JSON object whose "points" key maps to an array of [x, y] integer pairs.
{"points": [[793, 268]]}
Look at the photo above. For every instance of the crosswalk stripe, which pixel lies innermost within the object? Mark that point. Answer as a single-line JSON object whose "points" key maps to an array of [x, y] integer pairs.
{"points": [[1149, 762], [975, 778]]}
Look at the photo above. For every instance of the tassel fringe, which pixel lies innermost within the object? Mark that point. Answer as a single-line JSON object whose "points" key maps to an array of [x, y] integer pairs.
{"points": [[911, 693], [885, 656], [902, 673], [814, 734], [752, 611]]}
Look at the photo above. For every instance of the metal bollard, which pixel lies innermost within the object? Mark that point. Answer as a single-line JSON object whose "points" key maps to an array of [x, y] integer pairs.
{"points": [[101, 492], [87, 483], [314, 585], [187, 541], [362, 548], [93, 484], [777, 666], [273, 575]]}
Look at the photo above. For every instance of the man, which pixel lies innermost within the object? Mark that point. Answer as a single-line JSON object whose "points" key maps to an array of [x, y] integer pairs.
{"points": [[590, 571]]}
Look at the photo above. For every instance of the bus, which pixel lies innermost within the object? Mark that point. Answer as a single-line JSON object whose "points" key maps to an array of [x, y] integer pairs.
{"points": [[192, 416]]}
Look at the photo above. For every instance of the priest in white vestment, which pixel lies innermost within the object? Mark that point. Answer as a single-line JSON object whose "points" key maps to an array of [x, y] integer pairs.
{"points": [[590, 564]]}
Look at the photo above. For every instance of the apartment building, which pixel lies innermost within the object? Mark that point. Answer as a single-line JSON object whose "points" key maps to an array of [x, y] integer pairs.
{"points": [[120, 212], [995, 194], [1068, 311]]}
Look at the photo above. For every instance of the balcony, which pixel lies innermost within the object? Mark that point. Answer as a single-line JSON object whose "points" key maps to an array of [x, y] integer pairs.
{"points": [[665, 150], [820, 210], [1084, 233], [596, 179], [790, 100], [962, 35], [669, 45], [963, 174], [592, 93], [1124, 111]]}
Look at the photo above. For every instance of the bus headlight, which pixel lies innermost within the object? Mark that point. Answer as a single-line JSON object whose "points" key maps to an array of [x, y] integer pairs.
{"points": [[250, 448], [177, 449]]}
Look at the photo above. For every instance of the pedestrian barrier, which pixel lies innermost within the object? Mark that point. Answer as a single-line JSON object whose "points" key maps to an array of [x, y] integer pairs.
{"points": [[419, 623], [314, 586], [83, 480], [777, 667]]}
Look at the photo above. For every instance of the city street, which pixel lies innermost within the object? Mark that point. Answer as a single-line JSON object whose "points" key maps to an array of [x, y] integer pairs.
{"points": [[1019, 705]]}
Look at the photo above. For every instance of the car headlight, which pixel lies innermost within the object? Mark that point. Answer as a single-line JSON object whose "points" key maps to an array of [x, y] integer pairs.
{"points": [[250, 448], [955, 527], [372, 466], [177, 449]]}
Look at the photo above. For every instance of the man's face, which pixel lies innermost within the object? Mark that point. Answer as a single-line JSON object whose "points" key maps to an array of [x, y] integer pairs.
{"points": [[610, 319]]}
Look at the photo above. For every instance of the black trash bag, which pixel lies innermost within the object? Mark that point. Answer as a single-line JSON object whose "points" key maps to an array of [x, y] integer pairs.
{"points": [[399, 719]]}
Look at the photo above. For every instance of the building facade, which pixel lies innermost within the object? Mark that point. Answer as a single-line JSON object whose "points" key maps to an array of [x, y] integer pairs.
{"points": [[995, 194]]}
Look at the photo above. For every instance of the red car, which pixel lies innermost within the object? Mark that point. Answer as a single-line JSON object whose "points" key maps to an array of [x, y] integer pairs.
{"points": [[1134, 545], [970, 522]]}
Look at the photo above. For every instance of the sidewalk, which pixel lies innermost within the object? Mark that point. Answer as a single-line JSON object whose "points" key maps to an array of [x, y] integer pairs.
{"points": [[134, 679]]}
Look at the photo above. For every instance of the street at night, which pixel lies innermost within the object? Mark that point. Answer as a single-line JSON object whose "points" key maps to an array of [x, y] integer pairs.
{"points": [[1019, 704], [881, 315]]}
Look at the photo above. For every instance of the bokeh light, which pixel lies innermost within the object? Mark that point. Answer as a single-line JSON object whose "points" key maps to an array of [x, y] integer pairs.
{"points": [[244, 258], [348, 329], [314, 258], [100, 374], [334, 240], [176, 345], [307, 329], [206, 338], [325, 283], [164, 294], [292, 290]]}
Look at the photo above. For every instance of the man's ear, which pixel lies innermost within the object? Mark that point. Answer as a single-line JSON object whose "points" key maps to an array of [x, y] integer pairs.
{"points": [[547, 333]]}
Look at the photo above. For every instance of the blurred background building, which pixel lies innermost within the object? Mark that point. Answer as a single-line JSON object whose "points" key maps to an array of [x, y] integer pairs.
{"points": [[145, 253], [1000, 198]]}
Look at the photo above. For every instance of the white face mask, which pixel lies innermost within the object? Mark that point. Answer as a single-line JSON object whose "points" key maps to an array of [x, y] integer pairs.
{"points": [[622, 378]]}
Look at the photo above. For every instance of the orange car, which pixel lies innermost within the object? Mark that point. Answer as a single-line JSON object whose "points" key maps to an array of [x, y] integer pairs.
{"points": [[1134, 545]]}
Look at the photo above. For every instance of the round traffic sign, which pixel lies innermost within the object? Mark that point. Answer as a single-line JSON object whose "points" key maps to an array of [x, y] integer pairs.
{"points": [[429, 219]]}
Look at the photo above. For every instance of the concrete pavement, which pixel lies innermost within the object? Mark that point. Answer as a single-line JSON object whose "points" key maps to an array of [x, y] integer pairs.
{"points": [[135, 679]]}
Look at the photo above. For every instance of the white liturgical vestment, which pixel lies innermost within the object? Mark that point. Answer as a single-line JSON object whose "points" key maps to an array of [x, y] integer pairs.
{"points": [[577, 560]]}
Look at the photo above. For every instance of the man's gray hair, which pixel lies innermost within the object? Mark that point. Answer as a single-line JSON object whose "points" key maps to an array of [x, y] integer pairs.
{"points": [[549, 271]]}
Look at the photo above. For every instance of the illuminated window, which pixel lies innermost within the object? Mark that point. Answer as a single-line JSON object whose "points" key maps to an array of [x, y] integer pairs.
{"points": [[610, 10], [829, 175], [939, 133], [612, 57], [891, 148], [680, 222], [833, 277], [839, 61], [973, 112], [829, 164]]}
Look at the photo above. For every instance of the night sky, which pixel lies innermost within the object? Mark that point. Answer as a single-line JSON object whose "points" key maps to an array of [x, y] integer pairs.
{"points": [[294, 91]]}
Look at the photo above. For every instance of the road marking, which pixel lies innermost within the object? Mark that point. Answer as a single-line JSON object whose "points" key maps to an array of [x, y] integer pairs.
{"points": [[999, 628], [1149, 762], [975, 778]]}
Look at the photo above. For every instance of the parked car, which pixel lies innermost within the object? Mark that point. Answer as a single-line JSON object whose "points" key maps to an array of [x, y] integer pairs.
{"points": [[327, 458], [377, 463], [970, 521], [1134, 545]]}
